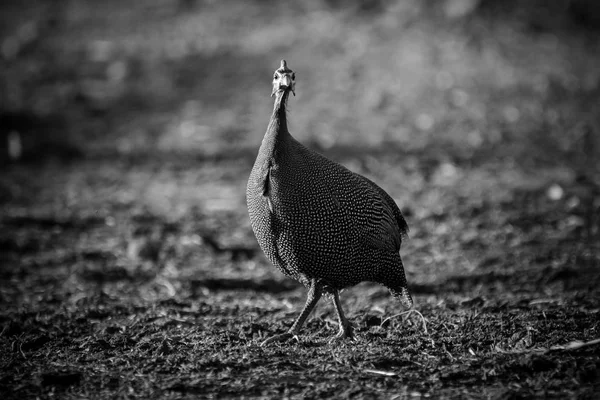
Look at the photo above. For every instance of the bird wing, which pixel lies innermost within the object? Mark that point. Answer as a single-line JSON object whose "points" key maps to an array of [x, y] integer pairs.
{"points": [[400, 221], [385, 224]]}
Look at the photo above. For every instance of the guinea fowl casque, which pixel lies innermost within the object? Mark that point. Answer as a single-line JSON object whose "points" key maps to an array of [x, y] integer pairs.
{"points": [[317, 221]]}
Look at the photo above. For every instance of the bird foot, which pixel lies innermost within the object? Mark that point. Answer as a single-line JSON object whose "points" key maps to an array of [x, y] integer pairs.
{"points": [[280, 338], [345, 332]]}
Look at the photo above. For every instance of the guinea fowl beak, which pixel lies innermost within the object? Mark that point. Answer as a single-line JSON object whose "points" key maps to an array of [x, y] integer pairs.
{"points": [[284, 84]]}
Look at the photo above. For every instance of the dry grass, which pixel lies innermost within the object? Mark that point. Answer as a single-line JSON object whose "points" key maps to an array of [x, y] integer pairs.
{"points": [[483, 129]]}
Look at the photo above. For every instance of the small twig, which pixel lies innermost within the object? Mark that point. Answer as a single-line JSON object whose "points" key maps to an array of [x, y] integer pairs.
{"points": [[575, 345], [569, 346], [450, 356], [180, 320], [543, 301], [21, 350], [408, 312], [379, 372]]}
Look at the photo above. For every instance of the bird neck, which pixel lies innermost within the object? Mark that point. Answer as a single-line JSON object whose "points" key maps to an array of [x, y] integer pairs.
{"points": [[277, 131]]}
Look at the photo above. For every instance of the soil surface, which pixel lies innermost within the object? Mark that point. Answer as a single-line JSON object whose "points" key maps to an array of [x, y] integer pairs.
{"points": [[128, 265]]}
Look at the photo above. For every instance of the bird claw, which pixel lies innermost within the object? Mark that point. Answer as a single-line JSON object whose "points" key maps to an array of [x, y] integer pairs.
{"points": [[345, 332], [280, 338]]}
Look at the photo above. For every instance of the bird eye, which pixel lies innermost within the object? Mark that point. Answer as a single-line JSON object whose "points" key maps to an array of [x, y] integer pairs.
{"points": [[275, 76]]}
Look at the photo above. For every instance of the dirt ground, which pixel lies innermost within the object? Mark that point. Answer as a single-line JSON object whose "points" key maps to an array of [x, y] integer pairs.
{"points": [[128, 265]]}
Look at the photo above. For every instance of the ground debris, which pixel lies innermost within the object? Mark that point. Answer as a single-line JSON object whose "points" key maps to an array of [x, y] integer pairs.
{"points": [[128, 264]]}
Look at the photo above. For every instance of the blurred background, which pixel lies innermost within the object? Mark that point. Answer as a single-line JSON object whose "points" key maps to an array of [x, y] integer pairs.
{"points": [[128, 129], [193, 76]]}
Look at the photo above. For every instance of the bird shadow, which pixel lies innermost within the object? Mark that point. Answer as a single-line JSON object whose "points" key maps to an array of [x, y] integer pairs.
{"points": [[236, 284]]}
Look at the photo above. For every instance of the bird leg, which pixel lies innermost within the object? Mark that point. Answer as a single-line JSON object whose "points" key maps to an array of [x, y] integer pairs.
{"points": [[345, 326], [314, 294]]}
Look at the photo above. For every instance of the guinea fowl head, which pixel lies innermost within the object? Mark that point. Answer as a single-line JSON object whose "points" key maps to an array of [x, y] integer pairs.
{"points": [[284, 80]]}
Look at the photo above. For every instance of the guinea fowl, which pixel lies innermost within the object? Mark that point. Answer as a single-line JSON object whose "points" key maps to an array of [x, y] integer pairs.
{"points": [[318, 222]]}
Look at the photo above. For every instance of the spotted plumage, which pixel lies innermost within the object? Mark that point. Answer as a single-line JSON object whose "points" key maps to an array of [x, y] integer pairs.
{"points": [[318, 222]]}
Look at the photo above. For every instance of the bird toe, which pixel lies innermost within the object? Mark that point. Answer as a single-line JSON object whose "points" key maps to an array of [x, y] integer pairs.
{"points": [[345, 332]]}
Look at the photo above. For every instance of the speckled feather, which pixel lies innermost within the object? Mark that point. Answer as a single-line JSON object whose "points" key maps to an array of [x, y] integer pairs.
{"points": [[314, 218]]}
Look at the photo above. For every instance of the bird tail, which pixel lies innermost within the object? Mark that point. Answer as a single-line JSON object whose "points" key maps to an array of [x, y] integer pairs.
{"points": [[394, 279], [404, 296]]}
